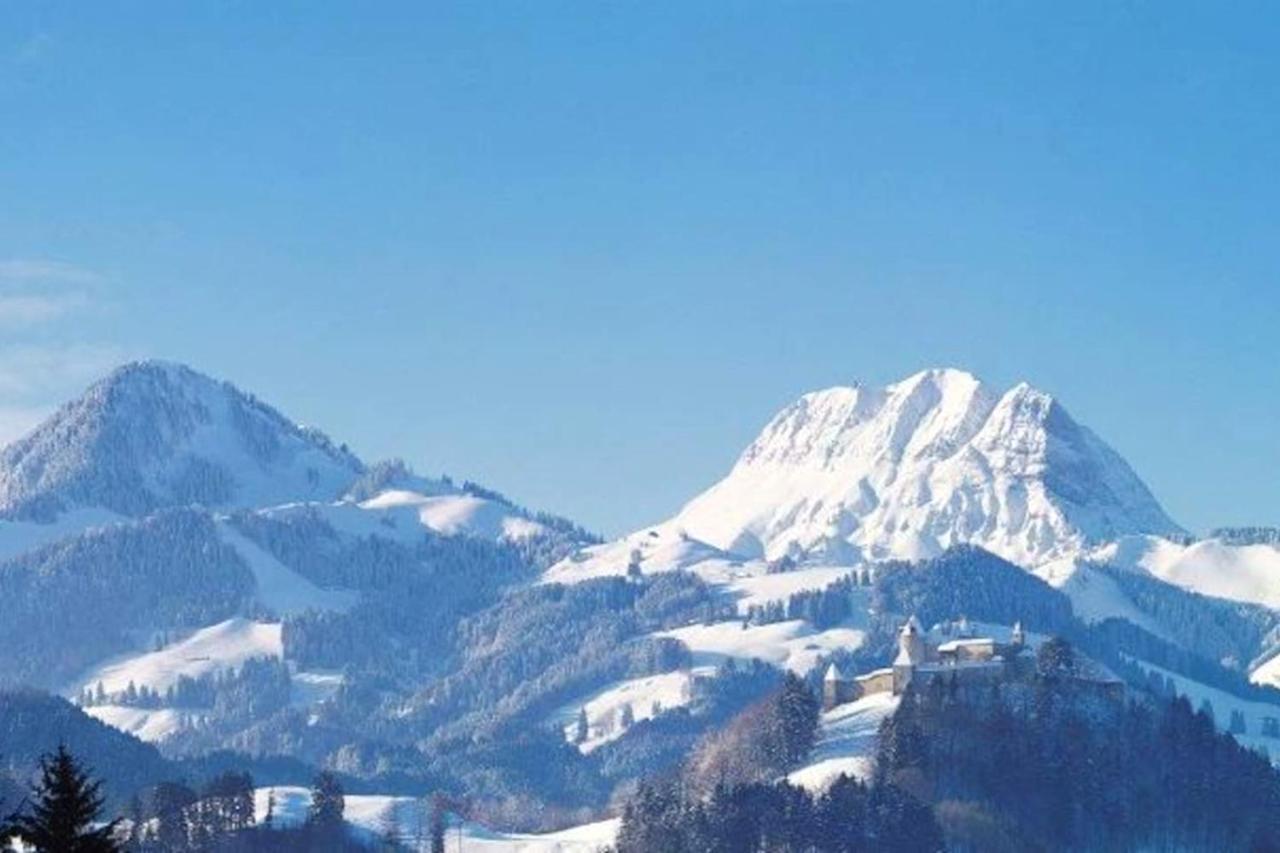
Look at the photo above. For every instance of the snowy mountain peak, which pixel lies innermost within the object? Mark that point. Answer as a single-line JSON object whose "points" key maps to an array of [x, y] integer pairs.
{"points": [[911, 468], [154, 434]]}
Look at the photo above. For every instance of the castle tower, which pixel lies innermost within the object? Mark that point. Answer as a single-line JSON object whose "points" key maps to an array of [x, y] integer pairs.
{"points": [[833, 688], [911, 653], [1018, 637]]}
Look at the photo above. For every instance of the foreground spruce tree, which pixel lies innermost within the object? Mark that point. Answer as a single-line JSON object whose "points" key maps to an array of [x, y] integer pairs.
{"points": [[64, 816]]}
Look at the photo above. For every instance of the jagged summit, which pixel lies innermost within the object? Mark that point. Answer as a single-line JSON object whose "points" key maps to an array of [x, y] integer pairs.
{"points": [[908, 469], [154, 434]]}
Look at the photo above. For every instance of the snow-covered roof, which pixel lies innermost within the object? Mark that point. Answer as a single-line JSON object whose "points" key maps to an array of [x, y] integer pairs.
{"points": [[953, 645], [993, 663], [833, 674]]}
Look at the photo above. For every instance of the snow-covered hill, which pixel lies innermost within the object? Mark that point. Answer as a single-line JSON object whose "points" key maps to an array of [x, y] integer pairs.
{"points": [[152, 435], [1249, 573], [371, 817], [940, 458]]}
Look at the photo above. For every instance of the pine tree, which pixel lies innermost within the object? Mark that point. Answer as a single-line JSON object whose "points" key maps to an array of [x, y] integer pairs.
{"points": [[583, 728], [67, 805], [437, 823], [327, 803]]}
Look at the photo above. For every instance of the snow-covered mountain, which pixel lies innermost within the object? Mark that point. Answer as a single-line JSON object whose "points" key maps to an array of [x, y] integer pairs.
{"points": [[907, 470], [152, 435]]}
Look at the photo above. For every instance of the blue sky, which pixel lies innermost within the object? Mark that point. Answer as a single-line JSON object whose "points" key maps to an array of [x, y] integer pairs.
{"points": [[582, 251]]}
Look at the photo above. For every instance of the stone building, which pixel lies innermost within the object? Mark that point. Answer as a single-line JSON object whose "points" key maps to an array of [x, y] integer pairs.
{"points": [[953, 651]]}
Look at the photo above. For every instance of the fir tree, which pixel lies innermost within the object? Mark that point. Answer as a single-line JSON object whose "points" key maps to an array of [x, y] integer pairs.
{"points": [[437, 823], [325, 812], [67, 805]]}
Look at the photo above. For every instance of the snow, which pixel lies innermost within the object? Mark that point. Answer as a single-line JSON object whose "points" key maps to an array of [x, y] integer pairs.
{"points": [[759, 590], [854, 474], [794, 644], [1094, 596], [226, 645], [403, 515], [1249, 573], [149, 724], [279, 588], [1267, 672], [588, 838], [604, 708], [158, 724], [19, 536], [373, 814], [171, 429], [459, 514], [308, 688], [846, 742], [663, 548], [1223, 704]]}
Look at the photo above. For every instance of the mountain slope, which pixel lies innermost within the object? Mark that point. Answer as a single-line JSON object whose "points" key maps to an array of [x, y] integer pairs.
{"points": [[937, 459], [153, 435]]}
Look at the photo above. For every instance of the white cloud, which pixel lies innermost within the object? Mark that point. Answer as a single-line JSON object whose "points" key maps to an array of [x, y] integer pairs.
{"points": [[34, 292], [17, 421], [43, 358], [45, 370], [21, 310], [36, 271]]}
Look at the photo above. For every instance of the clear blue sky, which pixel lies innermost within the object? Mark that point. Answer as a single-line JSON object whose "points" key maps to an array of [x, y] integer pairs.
{"points": [[582, 251]]}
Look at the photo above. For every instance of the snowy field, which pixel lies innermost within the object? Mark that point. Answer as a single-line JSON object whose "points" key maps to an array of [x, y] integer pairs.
{"points": [[1249, 573], [225, 645], [280, 588], [1223, 705], [759, 590], [409, 820], [218, 648], [458, 514], [659, 549], [605, 708], [846, 742], [19, 536], [149, 724], [795, 644], [1094, 596]]}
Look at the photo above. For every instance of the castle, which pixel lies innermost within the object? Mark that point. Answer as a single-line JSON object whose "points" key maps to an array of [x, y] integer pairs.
{"points": [[951, 650]]}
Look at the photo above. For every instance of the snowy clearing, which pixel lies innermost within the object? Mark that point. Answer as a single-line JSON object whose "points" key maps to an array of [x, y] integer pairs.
{"points": [[605, 707], [1094, 596], [1223, 704], [660, 549], [794, 644], [409, 819], [19, 536], [846, 742], [226, 645], [149, 724], [279, 587], [1249, 573], [758, 590], [459, 514]]}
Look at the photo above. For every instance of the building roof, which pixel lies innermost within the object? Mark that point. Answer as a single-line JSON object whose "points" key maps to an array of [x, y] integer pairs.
{"points": [[833, 674], [952, 645]]}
